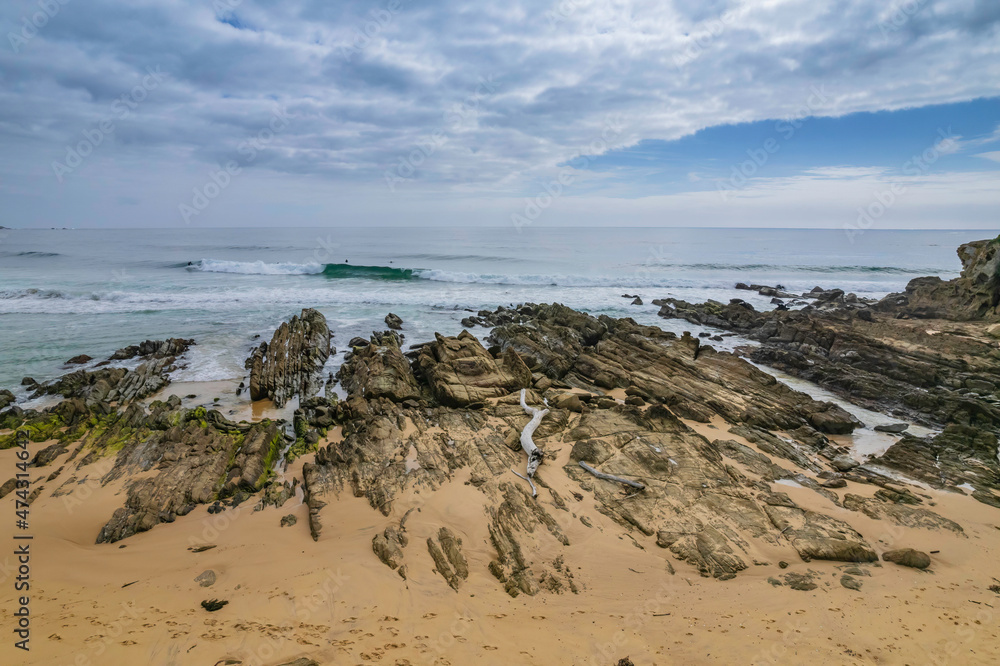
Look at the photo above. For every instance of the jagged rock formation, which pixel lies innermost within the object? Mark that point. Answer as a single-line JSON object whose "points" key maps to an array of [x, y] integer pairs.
{"points": [[974, 296], [153, 348], [709, 502], [197, 464], [460, 372], [941, 373], [379, 369], [121, 385], [293, 361], [388, 547], [446, 551]]}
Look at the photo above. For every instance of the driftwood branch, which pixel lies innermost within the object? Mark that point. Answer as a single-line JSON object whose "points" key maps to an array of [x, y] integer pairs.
{"points": [[535, 454], [611, 477]]}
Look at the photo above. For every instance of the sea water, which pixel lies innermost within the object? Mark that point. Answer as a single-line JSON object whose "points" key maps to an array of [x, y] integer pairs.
{"points": [[70, 292]]}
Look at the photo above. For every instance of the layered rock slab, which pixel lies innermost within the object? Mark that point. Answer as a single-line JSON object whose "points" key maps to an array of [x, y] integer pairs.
{"points": [[292, 363]]}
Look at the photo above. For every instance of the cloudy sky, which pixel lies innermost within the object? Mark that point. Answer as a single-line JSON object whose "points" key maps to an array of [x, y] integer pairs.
{"points": [[772, 113]]}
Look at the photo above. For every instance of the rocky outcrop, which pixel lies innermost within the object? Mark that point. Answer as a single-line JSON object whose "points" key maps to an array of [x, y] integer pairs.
{"points": [[120, 385], [707, 502], [959, 455], [890, 357], [292, 363], [973, 296], [446, 551], [461, 372], [908, 557], [703, 437], [154, 349], [378, 370], [388, 547], [196, 464]]}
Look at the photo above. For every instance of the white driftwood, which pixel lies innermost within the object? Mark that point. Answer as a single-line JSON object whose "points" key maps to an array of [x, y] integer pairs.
{"points": [[535, 454], [611, 477]]}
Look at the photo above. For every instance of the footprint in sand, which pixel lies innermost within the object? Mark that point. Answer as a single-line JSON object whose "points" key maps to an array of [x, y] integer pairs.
{"points": [[430, 616], [498, 616], [537, 617]]}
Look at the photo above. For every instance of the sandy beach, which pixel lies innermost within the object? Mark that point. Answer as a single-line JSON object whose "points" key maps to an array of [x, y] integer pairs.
{"points": [[333, 601]]}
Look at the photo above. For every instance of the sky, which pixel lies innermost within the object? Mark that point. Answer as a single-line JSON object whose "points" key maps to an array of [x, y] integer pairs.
{"points": [[760, 113]]}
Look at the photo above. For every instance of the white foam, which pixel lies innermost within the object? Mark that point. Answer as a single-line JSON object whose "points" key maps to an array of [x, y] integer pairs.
{"points": [[256, 267]]}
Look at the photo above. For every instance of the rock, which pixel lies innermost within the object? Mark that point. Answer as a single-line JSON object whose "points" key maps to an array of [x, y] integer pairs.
{"points": [[289, 520], [569, 401], [379, 369], [388, 546], [833, 420], [958, 454], [48, 454], [635, 400], [886, 506], [974, 295], [153, 349], [850, 582], [212, 605], [542, 383], [461, 372], [816, 536], [448, 558], [880, 362], [8, 487], [188, 462], [637, 301], [708, 550], [357, 342], [894, 428], [908, 557], [394, 322], [801, 582], [301, 661], [980, 386], [106, 385], [28, 381], [293, 361], [276, 494], [6, 398], [844, 463], [79, 360], [206, 578], [834, 483]]}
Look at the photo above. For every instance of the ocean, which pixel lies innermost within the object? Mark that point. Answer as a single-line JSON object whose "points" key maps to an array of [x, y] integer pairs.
{"points": [[70, 292]]}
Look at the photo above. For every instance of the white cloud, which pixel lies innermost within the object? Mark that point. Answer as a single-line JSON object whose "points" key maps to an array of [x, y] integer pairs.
{"points": [[993, 155], [366, 86]]}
